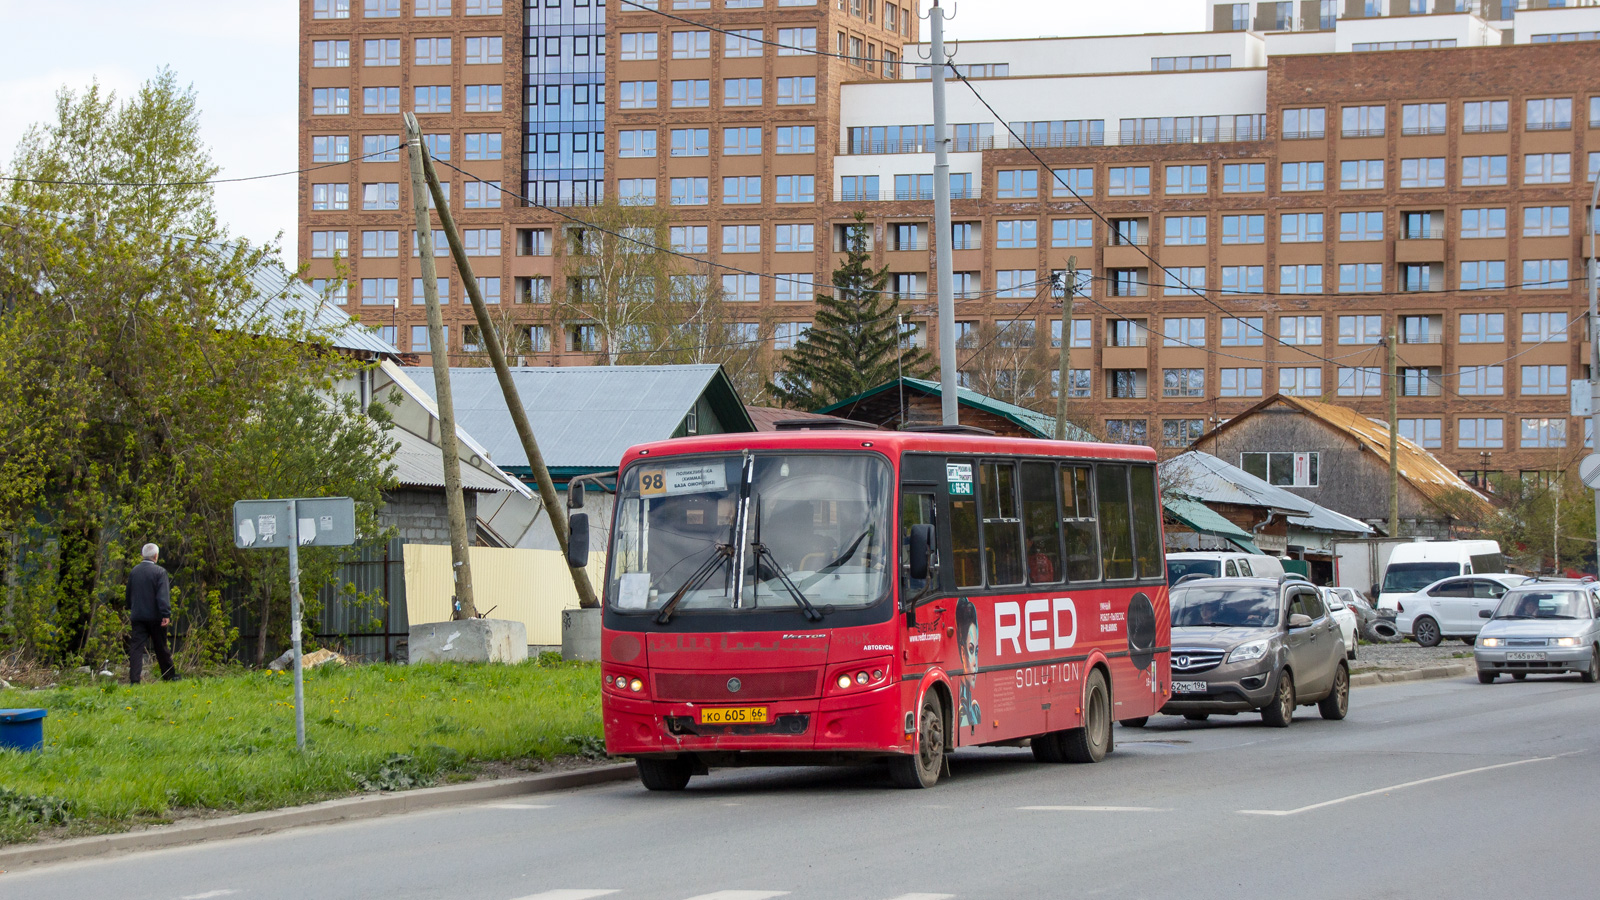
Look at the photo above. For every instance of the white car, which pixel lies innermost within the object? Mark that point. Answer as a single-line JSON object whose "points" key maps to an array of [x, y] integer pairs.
{"points": [[1449, 607], [1345, 617]]}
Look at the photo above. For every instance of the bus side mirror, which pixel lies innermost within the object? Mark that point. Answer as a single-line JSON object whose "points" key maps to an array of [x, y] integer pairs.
{"points": [[578, 541], [919, 554], [575, 496]]}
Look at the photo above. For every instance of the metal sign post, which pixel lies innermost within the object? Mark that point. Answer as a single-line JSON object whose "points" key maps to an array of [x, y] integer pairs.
{"points": [[292, 524]]}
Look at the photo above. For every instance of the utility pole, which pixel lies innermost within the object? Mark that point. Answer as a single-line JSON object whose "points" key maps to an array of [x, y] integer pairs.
{"points": [[438, 352], [1394, 431], [553, 506], [1064, 380], [1594, 349], [944, 264]]}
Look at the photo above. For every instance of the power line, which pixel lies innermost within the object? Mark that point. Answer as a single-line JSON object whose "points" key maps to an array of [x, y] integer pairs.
{"points": [[167, 184]]}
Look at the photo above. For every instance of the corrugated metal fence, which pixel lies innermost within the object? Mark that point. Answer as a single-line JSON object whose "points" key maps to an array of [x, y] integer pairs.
{"points": [[372, 630]]}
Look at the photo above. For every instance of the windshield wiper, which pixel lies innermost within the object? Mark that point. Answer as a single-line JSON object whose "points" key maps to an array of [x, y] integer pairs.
{"points": [[764, 555], [721, 553], [843, 558]]}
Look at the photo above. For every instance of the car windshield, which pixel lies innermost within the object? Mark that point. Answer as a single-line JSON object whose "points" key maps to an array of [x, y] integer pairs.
{"points": [[1224, 606], [1408, 578], [1543, 604], [1177, 568], [821, 521]]}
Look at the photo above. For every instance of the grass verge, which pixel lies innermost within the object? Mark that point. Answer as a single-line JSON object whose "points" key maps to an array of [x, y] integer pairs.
{"points": [[119, 755]]}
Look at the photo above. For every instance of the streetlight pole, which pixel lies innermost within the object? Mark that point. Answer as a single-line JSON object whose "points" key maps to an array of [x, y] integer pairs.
{"points": [[943, 261], [1594, 347]]}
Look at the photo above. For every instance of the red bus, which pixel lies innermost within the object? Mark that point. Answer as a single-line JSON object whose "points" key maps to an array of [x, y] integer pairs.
{"points": [[838, 596]]}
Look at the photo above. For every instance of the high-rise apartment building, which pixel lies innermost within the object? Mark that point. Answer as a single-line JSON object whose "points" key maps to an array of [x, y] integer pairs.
{"points": [[1249, 210]]}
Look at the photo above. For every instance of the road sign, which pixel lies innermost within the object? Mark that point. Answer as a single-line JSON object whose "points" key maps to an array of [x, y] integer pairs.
{"points": [[1589, 470], [318, 521], [289, 525]]}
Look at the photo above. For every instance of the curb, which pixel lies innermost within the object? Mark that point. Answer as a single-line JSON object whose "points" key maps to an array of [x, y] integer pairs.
{"points": [[328, 811], [1426, 673]]}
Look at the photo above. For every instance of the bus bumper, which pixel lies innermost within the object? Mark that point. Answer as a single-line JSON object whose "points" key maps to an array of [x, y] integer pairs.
{"points": [[869, 723]]}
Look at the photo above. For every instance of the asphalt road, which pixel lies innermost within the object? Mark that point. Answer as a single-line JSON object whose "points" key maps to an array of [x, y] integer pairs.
{"points": [[1431, 789]]}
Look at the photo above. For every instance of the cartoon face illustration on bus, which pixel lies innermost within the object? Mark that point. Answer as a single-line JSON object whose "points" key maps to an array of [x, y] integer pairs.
{"points": [[967, 712]]}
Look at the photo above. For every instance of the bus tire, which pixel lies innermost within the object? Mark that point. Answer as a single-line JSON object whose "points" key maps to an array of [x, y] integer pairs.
{"points": [[665, 774], [1135, 723], [1048, 747], [922, 769], [1092, 742]]}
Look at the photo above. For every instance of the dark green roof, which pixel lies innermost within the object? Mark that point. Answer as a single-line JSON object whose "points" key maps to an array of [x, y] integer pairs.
{"points": [[1036, 423]]}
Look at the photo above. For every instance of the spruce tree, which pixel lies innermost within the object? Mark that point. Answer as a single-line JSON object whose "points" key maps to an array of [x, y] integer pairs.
{"points": [[854, 342]]}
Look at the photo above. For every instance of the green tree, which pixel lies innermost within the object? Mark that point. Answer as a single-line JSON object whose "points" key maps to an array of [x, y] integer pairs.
{"points": [[145, 382], [855, 342]]}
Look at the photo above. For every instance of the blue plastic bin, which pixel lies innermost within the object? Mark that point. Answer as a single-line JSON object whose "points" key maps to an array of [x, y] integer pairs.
{"points": [[22, 729]]}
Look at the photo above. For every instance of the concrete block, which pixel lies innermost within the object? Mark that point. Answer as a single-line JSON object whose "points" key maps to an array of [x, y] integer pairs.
{"points": [[469, 640], [580, 634]]}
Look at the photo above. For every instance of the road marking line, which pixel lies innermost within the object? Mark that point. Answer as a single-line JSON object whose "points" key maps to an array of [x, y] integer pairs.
{"points": [[740, 895], [518, 805], [1393, 787], [923, 897], [571, 894], [208, 895], [1096, 808]]}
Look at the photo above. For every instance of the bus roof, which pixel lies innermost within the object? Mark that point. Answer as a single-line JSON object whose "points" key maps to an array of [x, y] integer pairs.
{"points": [[892, 443]]}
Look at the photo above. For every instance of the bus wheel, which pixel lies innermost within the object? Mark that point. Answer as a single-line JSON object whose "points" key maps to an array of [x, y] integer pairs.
{"points": [[1092, 742], [665, 774], [1049, 747], [921, 770]]}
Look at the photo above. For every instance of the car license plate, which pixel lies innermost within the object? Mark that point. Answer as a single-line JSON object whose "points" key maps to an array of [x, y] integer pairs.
{"points": [[1188, 687], [1524, 655], [733, 715]]}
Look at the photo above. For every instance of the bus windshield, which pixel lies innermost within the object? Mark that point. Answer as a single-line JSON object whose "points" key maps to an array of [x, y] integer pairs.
{"points": [[814, 524]]}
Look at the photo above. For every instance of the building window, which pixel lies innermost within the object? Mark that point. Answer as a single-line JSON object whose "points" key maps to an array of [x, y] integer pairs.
{"points": [[381, 9], [741, 288], [1183, 230], [419, 338], [1283, 469], [1360, 381], [741, 239], [1472, 434], [689, 238], [796, 139], [1482, 328], [378, 244], [331, 101], [1483, 171], [741, 92], [1300, 382], [1361, 175], [1126, 431], [1300, 331], [1543, 434], [1186, 180], [1360, 329], [1183, 383], [690, 191], [1300, 279], [1546, 221], [1422, 118], [1362, 121], [741, 43], [737, 142], [637, 45], [384, 195], [1538, 381], [797, 41], [583, 338], [419, 298], [795, 188], [798, 287], [1181, 432], [330, 54], [1244, 178], [636, 95], [1303, 176], [1242, 332], [1544, 274], [1549, 114], [1483, 275], [1071, 233], [1426, 172], [1544, 327], [1360, 278], [691, 142], [1070, 182], [483, 7], [1482, 381], [1299, 124], [1481, 116], [1018, 234], [330, 196], [483, 98], [335, 290], [484, 51], [1242, 279], [1483, 223], [383, 52], [380, 291], [1361, 226], [1243, 229], [1013, 184], [1300, 228], [797, 91], [691, 45], [1128, 181], [431, 52], [431, 98], [1547, 168], [794, 238], [330, 148], [380, 100], [330, 9], [785, 335], [1183, 280], [1239, 382], [329, 244], [630, 192], [1183, 332], [481, 241], [630, 145]]}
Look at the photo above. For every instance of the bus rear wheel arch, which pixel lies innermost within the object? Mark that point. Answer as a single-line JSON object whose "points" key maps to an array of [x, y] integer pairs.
{"points": [[1091, 741]]}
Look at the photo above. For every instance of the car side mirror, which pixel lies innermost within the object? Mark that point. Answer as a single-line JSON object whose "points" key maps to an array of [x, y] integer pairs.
{"points": [[1485, 613], [1299, 620], [919, 552], [578, 541]]}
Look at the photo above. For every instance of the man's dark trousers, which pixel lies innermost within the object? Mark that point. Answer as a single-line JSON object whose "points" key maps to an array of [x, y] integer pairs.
{"points": [[154, 634]]}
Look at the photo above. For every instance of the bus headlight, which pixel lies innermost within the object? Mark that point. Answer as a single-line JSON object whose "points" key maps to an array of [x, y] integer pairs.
{"points": [[844, 680], [635, 685]]}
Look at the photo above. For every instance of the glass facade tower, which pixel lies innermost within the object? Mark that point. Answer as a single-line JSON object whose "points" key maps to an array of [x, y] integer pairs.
{"points": [[564, 101]]}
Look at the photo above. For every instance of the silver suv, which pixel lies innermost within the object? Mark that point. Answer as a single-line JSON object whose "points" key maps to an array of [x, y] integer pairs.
{"points": [[1255, 643]]}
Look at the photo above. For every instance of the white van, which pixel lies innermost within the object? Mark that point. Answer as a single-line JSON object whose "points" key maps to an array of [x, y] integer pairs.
{"points": [[1220, 564], [1418, 564]]}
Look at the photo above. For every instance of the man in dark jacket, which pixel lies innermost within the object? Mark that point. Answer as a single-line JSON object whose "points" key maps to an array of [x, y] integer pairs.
{"points": [[150, 602]]}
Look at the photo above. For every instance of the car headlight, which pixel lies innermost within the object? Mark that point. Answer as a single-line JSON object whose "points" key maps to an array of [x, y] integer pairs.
{"points": [[1490, 642], [1566, 642], [1247, 652]]}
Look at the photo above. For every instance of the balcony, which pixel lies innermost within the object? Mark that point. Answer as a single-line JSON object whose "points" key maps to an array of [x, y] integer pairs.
{"points": [[1423, 130], [1557, 125], [1308, 134], [909, 246], [889, 194], [895, 145], [1362, 132], [1484, 128], [1429, 233]]}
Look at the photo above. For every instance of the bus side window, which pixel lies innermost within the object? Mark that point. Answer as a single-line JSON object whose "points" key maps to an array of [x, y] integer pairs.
{"points": [[1002, 524], [964, 552], [1116, 523], [915, 509], [1041, 522], [1083, 533], [1147, 522]]}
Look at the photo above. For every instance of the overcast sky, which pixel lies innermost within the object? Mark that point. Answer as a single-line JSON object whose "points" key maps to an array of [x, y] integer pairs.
{"points": [[240, 56]]}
